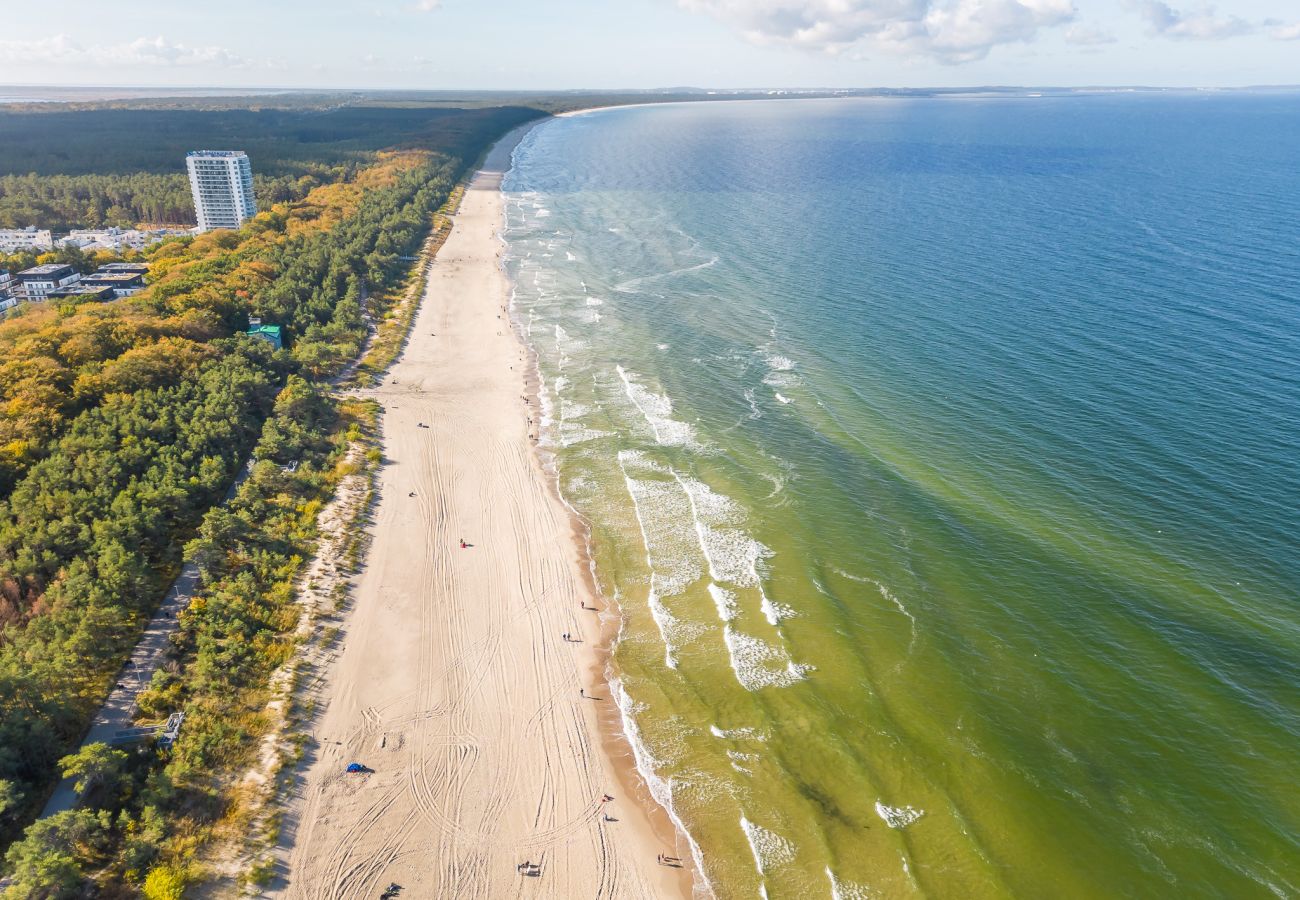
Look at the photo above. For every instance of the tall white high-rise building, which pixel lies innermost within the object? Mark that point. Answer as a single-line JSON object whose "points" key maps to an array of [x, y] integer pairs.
{"points": [[222, 182]]}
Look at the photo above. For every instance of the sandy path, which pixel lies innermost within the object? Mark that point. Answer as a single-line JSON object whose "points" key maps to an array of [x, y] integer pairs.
{"points": [[454, 684]]}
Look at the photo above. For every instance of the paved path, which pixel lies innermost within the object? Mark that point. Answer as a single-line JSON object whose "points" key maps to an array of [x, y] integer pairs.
{"points": [[118, 711]]}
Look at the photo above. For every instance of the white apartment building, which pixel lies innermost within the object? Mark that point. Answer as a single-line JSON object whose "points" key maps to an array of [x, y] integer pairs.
{"points": [[14, 240], [7, 299], [222, 183], [117, 239]]}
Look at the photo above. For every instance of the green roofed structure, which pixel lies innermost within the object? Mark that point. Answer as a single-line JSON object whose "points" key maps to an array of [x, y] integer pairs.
{"points": [[265, 332]]}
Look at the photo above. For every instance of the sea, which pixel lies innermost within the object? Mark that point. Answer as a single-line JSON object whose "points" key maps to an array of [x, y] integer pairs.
{"points": [[942, 457]]}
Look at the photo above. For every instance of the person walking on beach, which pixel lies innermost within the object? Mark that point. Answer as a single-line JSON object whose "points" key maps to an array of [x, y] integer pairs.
{"points": [[582, 692]]}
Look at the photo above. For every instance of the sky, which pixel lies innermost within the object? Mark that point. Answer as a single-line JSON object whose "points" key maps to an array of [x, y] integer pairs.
{"points": [[608, 44]]}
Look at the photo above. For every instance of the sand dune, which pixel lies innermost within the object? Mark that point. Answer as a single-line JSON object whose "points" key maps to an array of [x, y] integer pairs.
{"points": [[454, 684]]}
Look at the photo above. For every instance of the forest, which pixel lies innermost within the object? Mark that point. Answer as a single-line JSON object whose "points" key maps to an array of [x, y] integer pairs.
{"points": [[99, 167], [122, 425], [65, 202]]}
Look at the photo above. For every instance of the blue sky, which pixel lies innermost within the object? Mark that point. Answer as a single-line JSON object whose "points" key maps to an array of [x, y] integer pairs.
{"points": [[554, 44]]}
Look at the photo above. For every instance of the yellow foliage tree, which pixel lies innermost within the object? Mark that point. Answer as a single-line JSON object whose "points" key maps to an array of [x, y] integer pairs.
{"points": [[164, 883]]}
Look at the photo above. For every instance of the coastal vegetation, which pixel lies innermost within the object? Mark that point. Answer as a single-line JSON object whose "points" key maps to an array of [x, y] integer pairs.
{"points": [[122, 427], [100, 167], [65, 202]]}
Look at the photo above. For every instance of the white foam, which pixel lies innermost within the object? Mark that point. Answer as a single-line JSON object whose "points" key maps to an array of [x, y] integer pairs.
{"points": [[657, 410], [886, 593], [594, 301], [898, 816], [731, 554], [743, 762], [633, 283], [847, 890], [641, 460], [565, 342], [777, 482], [660, 506], [725, 601], [732, 734], [660, 788], [781, 398], [665, 621], [753, 659], [775, 612], [547, 415], [889, 595], [570, 257], [662, 346], [572, 433], [778, 363], [771, 851]]}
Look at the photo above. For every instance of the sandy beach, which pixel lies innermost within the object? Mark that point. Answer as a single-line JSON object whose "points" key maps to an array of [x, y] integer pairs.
{"points": [[492, 739]]}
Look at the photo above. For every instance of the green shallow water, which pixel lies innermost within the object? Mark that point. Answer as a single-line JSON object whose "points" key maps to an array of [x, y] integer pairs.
{"points": [[942, 458]]}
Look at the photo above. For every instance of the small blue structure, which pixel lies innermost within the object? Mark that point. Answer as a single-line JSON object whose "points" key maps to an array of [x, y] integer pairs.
{"points": [[265, 332]]}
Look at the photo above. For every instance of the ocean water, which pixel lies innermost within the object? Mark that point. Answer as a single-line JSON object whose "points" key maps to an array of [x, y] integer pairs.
{"points": [[943, 456]]}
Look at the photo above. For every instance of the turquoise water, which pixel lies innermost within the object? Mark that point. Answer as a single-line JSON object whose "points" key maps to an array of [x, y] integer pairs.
{"points": [[943, 458]]}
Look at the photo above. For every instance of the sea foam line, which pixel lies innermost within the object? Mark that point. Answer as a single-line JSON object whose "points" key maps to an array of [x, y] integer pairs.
{"points": [[769, 848], [898, 816], [671, 569], [661, 789], [887, 594], [657, 410], [733, 556], [658, 612], [631, 284], [750, 658], [846, 890]]}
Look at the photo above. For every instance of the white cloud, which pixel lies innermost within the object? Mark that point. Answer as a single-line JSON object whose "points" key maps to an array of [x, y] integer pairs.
{"points": [[59, 48], [950, 30], [1284, 31], [144, 51], [1083, 36], [1202, 25], [158, 51], [427, 5]]}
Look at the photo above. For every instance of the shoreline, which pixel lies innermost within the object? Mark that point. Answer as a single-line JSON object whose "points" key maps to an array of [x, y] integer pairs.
{"points": [[488, 739], [612, 719]]}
